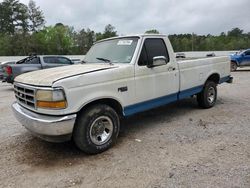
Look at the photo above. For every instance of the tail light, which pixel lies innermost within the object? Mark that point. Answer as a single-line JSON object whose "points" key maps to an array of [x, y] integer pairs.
{"points": [[8, 70]]}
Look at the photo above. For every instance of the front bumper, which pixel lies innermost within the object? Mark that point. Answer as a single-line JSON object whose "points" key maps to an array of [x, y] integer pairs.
{"points": [[50, 128]]}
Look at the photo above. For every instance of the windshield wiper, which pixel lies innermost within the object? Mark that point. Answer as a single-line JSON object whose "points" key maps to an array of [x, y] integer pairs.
{"points": [[83, 62], [103, 59]]}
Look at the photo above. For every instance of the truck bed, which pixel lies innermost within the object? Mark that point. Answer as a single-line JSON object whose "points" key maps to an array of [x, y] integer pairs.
{"points": [[194, 73]]}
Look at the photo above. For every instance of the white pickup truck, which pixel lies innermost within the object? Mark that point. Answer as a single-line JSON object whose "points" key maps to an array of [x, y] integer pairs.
{"points": [[120, 77]]}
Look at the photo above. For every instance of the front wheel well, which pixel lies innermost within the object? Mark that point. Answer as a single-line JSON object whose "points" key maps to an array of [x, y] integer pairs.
{"points": [[234, 61], [108, 101], [214, 77]]}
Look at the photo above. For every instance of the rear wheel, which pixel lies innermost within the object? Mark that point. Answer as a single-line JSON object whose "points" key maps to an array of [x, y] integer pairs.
{"points": [[96, 129], [207, 98], [233, 66]]}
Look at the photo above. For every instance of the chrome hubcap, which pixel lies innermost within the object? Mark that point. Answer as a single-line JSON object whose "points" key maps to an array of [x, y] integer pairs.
{"points": [[211, 95], [101, 130]]}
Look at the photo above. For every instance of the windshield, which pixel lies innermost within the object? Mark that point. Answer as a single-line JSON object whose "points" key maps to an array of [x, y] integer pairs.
{"points": [[27, 60], [114, 51]]}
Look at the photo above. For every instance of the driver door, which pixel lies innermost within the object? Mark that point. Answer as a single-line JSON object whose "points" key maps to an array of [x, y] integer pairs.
{"points": [[158, 85]]}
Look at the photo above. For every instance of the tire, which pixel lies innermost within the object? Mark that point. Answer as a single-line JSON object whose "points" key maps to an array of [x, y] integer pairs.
{"points": [[96, 129], [208, 96], [233, 66]]}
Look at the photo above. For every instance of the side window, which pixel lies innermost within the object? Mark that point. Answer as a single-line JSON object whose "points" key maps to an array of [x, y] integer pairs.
{"points": [[155, 47], [63, 60], [49, 60], [152, 48], [247, 53]]}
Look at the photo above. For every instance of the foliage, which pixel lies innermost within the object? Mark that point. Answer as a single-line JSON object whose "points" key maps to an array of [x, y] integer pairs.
{"points": [[152, 31], [13, 17], [36, 17], [83, 41], [109, 31], [235, 39]]}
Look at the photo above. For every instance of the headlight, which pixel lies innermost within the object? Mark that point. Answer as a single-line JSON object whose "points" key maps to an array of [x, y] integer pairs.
{"points": [[51, 99]]}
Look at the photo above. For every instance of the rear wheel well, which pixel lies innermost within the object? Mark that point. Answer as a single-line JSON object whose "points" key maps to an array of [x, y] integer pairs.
{"points": [[215, 78], [108, 101]]}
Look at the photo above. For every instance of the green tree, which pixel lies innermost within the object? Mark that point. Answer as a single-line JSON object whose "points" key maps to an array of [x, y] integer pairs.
{"points": [[36, 17], [38, 43], [235, 32], [152, 31], [13, 17], [5, 45], [58, 40], [84, 40], [109, 31]]}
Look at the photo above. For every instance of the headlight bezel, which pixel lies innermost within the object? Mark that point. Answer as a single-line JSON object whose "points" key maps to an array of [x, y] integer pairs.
{"points": [[48, 102]]}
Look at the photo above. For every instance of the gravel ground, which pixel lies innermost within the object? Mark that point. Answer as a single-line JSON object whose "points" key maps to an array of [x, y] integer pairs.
{"points": [[178, 145]]}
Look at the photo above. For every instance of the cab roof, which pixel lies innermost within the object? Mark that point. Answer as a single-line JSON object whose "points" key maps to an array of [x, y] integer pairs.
{"points": [[136, 35]]}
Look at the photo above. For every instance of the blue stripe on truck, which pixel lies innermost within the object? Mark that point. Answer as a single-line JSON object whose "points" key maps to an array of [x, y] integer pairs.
{"points": [[188, 92], [146, 105], [143, 106]]}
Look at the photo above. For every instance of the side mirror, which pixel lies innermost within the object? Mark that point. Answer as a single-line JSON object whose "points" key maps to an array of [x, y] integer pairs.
{"points": [[158, 61]]}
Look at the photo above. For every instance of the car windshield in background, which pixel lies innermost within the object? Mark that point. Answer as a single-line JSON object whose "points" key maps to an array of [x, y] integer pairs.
{"points": [[29, 60], [115, 51]]}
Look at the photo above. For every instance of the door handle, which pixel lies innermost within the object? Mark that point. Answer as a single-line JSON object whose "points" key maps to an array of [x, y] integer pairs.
{"points": [[171, 68]]}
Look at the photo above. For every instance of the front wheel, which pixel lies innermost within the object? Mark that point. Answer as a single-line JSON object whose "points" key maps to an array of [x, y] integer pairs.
{"points": [[233, 66], [208, 96], [96, 129]]}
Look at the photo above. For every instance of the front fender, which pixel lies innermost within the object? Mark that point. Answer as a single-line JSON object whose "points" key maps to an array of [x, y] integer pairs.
{"points": [[236, 60]]}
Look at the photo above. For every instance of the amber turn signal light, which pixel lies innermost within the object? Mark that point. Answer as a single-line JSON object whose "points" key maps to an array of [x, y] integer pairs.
{"points": [[52, 104]]}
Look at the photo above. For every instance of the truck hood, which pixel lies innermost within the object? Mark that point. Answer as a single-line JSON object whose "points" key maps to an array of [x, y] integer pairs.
{"points": [[47, 77]]}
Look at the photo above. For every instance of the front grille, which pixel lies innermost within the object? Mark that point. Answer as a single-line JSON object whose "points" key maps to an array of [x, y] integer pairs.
{"points": [[25, 95]]}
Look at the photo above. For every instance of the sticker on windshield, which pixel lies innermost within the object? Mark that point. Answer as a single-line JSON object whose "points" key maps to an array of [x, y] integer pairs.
{"points": [[124, 42]]}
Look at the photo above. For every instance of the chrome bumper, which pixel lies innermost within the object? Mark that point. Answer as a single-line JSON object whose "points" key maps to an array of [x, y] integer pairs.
{"points": [[45, 126]]}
